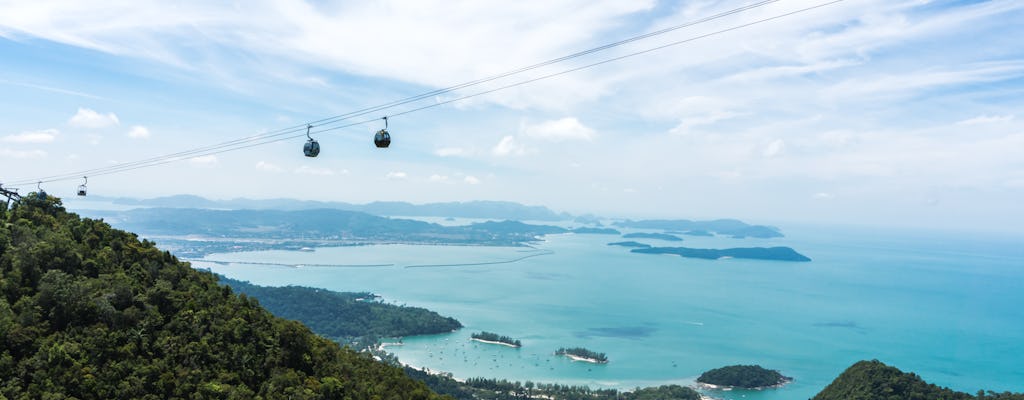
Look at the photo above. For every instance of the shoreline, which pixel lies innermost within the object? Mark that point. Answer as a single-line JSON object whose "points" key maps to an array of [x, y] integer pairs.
{"points": [[584, 359], [495, 342], [725, 388]]}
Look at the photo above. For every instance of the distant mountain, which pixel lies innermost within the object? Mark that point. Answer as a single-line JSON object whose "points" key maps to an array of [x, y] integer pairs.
{"points": [[470, 209], [659, 236], [728, 227], [246, 230]]}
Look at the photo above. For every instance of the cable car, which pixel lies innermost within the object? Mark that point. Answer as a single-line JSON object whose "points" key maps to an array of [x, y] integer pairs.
{"points": [[40, 193], [81, 188], [382, 139], [312, 148]]}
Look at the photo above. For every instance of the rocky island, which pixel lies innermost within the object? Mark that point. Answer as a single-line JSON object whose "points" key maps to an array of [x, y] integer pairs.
{"points": [[743, 377], [753, 253]]}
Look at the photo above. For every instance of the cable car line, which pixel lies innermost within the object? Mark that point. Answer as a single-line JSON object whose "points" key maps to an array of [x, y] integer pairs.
{"points": [[274, 136], [364, 111]]}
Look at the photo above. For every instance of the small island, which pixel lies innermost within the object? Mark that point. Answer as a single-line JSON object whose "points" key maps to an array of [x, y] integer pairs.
{"points": [[659, 236], [581, 354], [494, 338], [753, 253], [743, 377], [631, 244]]}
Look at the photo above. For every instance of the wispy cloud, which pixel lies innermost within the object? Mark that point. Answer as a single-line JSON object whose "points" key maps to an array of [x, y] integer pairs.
{"points": [[568, 128], [317, 171], [987, 119], [50, 88], [509, 146], [268, 167], [43, 136], [207, 160], [139, 132], [22, 154], [396, 175]]}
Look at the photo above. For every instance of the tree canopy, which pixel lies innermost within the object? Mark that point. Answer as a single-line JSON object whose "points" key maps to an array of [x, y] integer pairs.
{"points": [[90, 312]]}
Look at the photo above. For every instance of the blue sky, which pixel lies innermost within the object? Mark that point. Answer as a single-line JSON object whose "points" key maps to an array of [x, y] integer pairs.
{"points": [[903, 113]]}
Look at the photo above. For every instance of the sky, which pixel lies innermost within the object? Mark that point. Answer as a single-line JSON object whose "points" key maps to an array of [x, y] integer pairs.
{"points": [[870, 112]]}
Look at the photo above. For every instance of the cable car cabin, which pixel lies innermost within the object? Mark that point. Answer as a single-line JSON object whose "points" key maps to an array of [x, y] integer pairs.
{"points": [[312, 148], [382, 139], [81, 190], [41, 194]]}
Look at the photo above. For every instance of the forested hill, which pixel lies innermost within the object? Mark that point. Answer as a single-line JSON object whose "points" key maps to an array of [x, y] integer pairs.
{"points": [[870, 380], [345, 316], [91, 312]]}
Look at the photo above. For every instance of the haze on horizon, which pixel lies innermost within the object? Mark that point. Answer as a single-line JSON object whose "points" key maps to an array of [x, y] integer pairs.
{"points": [[899, 113]]}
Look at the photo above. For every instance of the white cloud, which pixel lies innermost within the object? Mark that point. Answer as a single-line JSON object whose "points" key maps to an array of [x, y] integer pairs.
{"points": [[774, 148], [472, 180], [450, 152], [823, 196], [568, 128], [87, 118], [43, 136], [987, 119], [22, 154], [435, 178], [307, 170], [203, 160], [138, 132], [396, 175], [510, 146], [911, 82], [269, 167]]}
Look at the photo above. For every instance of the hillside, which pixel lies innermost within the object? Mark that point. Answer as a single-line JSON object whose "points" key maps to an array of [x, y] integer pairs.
{"points": [[870, 380], [344, 317], [90, 312]]}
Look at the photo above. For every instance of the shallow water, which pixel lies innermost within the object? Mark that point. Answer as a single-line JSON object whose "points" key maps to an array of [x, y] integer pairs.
{"points": [[944, 306]]}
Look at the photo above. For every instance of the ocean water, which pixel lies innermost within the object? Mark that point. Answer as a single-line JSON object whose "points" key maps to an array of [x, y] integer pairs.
{"points": [[949, 307]]}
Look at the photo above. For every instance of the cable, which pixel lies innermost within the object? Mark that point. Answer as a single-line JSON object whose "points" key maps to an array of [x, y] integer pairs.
{"points": [[262, 139], [336, 118]]}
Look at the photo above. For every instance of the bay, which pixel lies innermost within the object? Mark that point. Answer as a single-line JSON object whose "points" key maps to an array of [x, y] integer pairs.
{"points": [[943, 305]]}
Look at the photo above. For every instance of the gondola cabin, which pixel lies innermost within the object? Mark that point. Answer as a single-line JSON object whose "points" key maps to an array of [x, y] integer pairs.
{"points": [[312, 148], [382, 139]]}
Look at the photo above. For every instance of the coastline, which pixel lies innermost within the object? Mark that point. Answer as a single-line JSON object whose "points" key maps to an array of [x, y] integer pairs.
{"points": [[495, 342], [725, 388], [584, 359]]}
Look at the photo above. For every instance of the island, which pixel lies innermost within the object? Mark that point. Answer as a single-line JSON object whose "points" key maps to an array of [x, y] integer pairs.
{"points": [[494, 338], [753, 253], [581, 354], [596, 231], [744, 377], [699, 232], [630, 244], [727, 227], [659, 236]]}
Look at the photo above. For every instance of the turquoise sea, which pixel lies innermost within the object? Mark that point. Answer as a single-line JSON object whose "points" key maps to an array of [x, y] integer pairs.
{"points": [[947, 306]]}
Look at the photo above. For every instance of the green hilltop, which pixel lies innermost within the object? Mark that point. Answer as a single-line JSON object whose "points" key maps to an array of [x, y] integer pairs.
{"points": [[90, 312]]}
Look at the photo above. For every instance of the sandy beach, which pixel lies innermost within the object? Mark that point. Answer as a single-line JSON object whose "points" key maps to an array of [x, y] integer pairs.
{"points": [[494, 342]]}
